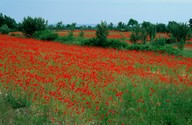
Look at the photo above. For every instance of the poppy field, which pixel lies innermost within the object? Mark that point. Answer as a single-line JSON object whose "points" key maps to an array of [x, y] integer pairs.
{"points": [[53, 83]]}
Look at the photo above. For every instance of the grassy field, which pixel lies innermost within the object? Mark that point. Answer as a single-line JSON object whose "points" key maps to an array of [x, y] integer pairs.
{"points": [[52, 83]]}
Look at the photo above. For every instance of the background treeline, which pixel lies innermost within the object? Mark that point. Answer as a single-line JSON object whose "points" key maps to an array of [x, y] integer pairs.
{"points": [[121, 26], [143, 35]]}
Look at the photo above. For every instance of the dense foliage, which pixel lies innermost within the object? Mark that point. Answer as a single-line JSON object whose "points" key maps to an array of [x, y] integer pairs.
{"points": [[179, 32], [4, 29], [6, 20], [31, 25], [45, 35]]}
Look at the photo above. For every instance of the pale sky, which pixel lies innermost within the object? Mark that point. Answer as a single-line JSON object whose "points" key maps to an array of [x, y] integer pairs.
{"points": [[94, 11]]}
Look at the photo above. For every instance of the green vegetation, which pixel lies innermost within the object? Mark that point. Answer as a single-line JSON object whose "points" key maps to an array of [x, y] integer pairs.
{"points": [[6, 20], [142, 102], [140, 34], [45, 35], [4, 29], [180, 32], [190, 23], [31, 25]]}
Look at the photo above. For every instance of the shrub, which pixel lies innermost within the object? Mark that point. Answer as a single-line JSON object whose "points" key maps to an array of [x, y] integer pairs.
{"points": [[4, 29], [171, 50], [31, 25], [70, 34], [17, 102], [116, 44], [181, 44], [111, 43], [139, 47], [45, 35], [101, 34], [63, 39], [159, 42], [81, 34], [89, 42], [123, 38]]}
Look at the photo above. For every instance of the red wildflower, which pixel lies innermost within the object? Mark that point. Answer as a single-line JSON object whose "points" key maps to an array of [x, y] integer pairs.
{"points": [[118, 94]]}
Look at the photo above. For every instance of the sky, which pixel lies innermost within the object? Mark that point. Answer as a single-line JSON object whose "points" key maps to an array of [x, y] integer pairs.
{"points": [[95, 11]]}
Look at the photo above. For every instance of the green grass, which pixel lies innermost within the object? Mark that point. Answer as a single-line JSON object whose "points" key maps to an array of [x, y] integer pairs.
{"points": [[187, 53], [142, 102]]}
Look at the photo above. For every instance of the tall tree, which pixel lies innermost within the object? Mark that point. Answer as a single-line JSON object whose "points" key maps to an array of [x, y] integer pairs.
{"points": [[190, 23], [132, 22], [121, 26]]}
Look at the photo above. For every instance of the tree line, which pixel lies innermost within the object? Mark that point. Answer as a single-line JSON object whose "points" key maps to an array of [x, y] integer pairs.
{"points": [[140, 32], [6, 21]]}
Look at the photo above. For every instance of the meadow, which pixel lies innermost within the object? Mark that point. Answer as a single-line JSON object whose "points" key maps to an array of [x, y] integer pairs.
{"points": [[43, 82]]}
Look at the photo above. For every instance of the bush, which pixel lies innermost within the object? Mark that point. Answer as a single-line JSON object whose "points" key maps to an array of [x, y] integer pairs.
{"points": [[17, 102], [45, 35], [63, 39], [116, 44], [139, 47], [171, 50], [90, 42], [159, 42], [112, 43], [31, 25], [81, 34], [70, 34], [4, 29], [101, 34]]}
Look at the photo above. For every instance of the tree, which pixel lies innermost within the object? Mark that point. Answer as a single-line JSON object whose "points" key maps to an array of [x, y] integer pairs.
{"points": [[111, 26], [101, 33], [143, 35], [121, 26], [59, 25], [135, 34], [150, 28], [1, 19], [161, 28], [31, 25], [190, 23], [180, 32], [6, 20], [11, 23], [71, 30], [132, 23]]}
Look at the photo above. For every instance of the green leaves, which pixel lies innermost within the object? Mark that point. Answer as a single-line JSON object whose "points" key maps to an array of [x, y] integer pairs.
{"points": [[180, 32], [31, 25]]}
